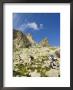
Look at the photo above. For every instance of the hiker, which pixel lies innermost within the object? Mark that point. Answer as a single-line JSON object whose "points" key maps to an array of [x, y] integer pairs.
{"points": [[53, 61], [53, 58]]}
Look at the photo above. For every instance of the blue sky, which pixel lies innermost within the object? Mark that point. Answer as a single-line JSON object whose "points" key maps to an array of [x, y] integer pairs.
{"points": [[39, 25]]}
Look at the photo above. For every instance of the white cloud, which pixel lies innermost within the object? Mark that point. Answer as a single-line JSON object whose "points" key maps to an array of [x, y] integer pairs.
{"points": [[31, 25]]}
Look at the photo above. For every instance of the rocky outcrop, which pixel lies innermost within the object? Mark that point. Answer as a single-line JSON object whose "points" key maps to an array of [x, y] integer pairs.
{"points": [[20, 40], [57, 52], [44, 43], [30, 38]]}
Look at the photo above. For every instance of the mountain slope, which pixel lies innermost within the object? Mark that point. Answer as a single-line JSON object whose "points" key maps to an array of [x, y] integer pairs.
{"points": [[41, 60]]}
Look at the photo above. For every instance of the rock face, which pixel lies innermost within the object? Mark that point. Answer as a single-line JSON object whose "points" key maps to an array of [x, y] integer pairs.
{"points": [[20, 40], [41, 60]]}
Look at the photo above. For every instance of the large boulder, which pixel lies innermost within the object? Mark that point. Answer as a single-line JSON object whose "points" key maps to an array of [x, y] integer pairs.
{"points": [[57, 52]]}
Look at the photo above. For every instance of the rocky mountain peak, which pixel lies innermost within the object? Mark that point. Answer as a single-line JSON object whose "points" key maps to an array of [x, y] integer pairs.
{"points": [[44, 42], [30, 38]]}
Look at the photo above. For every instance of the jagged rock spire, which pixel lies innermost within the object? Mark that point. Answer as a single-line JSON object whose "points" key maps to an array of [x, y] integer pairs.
{"points": [[44, 42]]}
